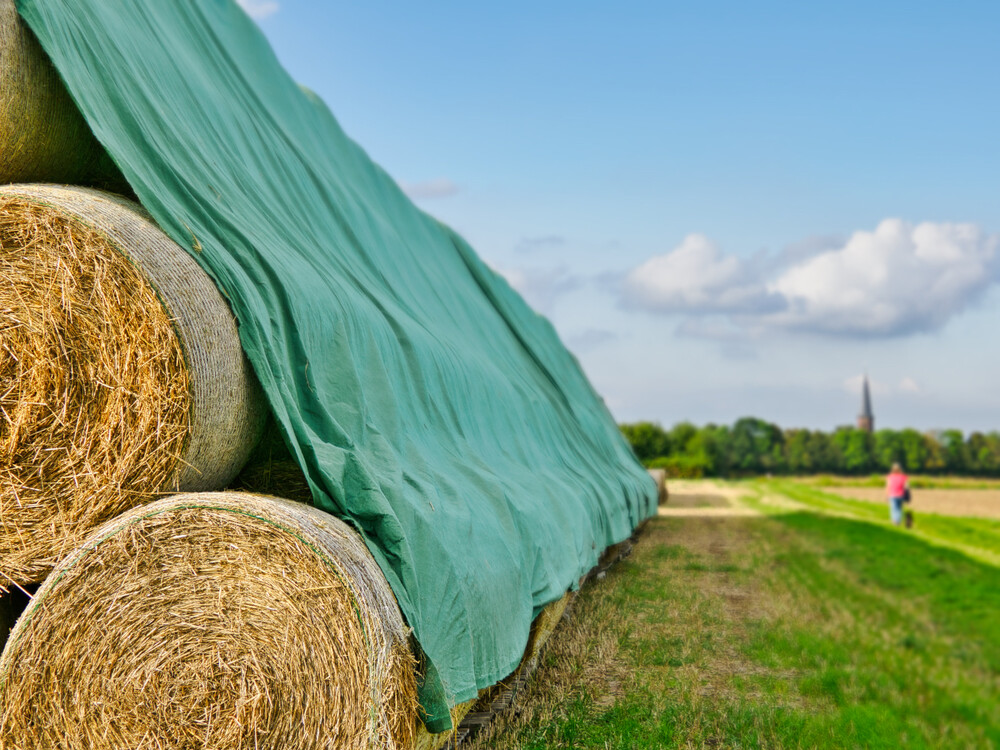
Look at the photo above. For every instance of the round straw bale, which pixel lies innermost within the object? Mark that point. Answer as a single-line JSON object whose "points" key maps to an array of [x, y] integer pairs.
{"points": [[222, 621], [43, 136], [121, 372], [660, 477]]}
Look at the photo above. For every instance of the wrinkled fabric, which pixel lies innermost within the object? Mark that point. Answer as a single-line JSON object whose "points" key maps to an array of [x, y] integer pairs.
{"points": [[425, 402]]}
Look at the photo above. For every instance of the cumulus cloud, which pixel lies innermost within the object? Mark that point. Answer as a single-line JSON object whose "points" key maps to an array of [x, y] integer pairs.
{"points": [[803, 249], [438, 188], [696, 277], [896, 280], [259, 8], [540, 287]]}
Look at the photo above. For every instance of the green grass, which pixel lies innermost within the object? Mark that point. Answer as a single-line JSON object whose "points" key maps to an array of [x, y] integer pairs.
{"points": [[977, 536], [918, 481], [819, 627]]}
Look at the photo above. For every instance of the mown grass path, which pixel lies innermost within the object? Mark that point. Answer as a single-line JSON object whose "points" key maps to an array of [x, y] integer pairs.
{"points": [[813, 624]]}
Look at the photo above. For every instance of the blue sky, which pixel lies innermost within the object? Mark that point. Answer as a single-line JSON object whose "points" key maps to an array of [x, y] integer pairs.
{"points": [[725, 208]]}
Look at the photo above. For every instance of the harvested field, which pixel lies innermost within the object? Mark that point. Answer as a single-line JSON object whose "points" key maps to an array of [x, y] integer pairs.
{"points": [[970, 503], [703, 500]]}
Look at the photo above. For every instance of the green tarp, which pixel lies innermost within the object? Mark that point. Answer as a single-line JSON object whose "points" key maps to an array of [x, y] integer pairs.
{"points": [[426, 403]]}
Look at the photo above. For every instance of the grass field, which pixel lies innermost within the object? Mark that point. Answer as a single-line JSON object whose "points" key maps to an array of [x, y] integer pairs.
{"points": [[802, 619]]}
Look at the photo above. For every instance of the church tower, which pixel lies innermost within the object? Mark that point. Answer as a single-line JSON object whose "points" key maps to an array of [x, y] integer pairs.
{"points": [[866, 420]]}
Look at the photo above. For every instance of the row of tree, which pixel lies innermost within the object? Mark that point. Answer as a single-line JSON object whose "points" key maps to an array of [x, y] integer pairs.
{"points": [[753, 446]]}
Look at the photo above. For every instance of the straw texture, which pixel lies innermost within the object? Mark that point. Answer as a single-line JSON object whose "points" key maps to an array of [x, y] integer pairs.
{"points": [[43, 137], [213, 620], [121, 374]]}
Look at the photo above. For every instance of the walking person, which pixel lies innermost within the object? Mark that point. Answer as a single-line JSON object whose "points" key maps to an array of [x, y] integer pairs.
{"points": [[896, 486]]}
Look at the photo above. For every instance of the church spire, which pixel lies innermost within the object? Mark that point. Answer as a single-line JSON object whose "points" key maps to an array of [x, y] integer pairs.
{"points": [[866, 420]]}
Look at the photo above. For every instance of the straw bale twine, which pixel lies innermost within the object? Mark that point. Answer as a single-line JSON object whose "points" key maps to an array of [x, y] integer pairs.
{"points": [[222, 621], [121, 372], [43, 136]]}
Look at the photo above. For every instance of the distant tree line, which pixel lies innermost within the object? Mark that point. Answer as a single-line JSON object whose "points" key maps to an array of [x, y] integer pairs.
{"points": [[752, 446]]}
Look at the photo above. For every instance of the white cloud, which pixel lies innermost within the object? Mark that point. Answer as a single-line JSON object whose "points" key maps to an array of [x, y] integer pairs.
{"points": [[259, 8], [909, 385], [695, 277], [896, 280], [429, 189]]}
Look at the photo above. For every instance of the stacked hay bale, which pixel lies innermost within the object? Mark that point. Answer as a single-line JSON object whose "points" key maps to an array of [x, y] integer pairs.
{"points": [[212, 620], [660, 477], [42, 135], [123, 376], [121, 373], [209, 620], [216, 620]]}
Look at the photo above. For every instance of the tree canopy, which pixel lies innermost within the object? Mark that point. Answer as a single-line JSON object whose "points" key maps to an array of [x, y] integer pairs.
{"points": [[752, 446]]}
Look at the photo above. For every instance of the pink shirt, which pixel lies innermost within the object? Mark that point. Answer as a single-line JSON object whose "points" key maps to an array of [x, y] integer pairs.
{"points": [[895, 484]]}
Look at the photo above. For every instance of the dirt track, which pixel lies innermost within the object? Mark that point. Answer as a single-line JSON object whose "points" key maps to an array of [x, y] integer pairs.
{"points": [[978, 503]]}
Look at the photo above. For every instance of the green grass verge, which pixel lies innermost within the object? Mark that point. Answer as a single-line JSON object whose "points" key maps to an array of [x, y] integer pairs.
{"points": [[796, 630], [976, 536], [917, 481]]}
